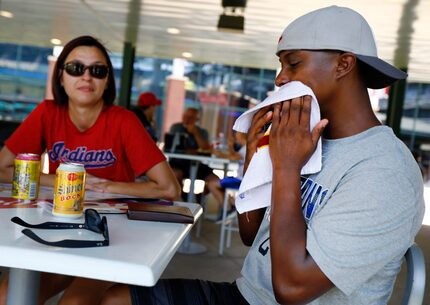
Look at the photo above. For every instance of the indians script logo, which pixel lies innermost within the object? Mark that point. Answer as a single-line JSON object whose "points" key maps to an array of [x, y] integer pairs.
{"points": [[91, 158], [313, 196]]}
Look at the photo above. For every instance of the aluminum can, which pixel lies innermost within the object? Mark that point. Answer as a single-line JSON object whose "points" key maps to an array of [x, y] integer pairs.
{"points": [[26, 176], [69, 190]]}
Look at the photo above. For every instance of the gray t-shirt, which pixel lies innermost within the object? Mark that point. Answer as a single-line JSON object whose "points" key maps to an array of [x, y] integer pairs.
{"points": [[191, 142], [363, 210]]}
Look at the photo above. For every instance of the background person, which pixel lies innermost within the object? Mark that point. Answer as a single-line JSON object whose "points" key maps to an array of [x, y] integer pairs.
{"points": [[342, 243], [145, 110], [196, 140], [82, 125]]}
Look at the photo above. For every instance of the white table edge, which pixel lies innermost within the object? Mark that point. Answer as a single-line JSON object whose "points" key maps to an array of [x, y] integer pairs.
{"points": [[144, 279]]}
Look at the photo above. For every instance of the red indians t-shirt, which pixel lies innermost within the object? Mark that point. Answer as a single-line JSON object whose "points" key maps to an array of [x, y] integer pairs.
{"points": [[117, 147]]}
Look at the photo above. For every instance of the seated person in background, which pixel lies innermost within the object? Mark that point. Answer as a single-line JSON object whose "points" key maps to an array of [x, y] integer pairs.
{"points": [[145, 109], [338, 236], [236, 152], [82, 125], [196, 140]]}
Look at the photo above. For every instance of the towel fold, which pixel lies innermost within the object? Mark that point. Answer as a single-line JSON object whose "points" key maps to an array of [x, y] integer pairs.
{"points": [[256, 187]]}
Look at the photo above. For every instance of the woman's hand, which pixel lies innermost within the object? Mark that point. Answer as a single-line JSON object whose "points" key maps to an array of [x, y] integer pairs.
{"points": [[97, 184], [7, 163], [291, 141]]}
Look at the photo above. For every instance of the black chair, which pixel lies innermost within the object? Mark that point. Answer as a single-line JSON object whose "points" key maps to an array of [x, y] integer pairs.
{"points": [[175, 142], [6, 129]]}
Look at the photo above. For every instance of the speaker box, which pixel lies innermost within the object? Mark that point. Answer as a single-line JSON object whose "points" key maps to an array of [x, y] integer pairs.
{"points": [[231, 22], [234, 3]]}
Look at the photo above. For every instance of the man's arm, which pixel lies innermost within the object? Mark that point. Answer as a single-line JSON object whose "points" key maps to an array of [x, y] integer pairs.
{"points": [[231, 153], [200, 137], [296, 278], [249, 222]]}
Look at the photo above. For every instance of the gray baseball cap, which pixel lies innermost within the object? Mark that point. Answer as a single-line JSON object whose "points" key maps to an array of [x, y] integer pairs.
{"points": [[343, 29]]}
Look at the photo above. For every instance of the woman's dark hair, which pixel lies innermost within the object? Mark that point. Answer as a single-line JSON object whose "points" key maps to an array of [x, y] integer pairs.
{"points": [[58, 91]]}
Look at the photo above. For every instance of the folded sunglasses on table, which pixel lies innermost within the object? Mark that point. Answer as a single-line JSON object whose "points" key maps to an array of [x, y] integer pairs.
{"points": [[93, 222]]}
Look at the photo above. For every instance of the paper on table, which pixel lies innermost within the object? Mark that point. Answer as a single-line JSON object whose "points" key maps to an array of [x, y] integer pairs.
{"points": [[101, 207], [256, 187]]}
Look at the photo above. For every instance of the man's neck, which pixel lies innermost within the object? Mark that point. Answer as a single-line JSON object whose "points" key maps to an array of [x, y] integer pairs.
{"points": [[349, 114]]}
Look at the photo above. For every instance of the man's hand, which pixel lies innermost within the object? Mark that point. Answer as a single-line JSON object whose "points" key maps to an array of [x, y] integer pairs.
{"points": [[201, 141], [191, 128], [291, 141], [256, 132]]}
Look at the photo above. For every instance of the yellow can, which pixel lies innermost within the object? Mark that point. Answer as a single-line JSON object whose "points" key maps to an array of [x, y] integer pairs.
{"points": [[69, 190], [26, 175]]}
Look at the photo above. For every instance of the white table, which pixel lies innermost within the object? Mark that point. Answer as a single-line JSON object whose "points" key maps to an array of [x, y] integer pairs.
{"points": [[188, 246], [138, 253], [195, 161]]}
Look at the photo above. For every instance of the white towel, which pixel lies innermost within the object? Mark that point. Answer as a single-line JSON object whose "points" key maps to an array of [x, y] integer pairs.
{"points": [[256, 187]]}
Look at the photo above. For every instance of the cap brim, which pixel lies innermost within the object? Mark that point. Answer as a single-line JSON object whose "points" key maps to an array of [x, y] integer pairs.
{"points": [[146, 104], [378, 73]]}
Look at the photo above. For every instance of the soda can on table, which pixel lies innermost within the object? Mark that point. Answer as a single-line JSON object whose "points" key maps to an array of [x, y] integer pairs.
{"points": [[69, 190], [26, 175]]}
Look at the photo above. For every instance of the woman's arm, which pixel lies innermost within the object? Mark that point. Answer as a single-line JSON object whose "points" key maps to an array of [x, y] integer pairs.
{"points": [[161, 183], [7, 164], [47, 179], [7, 159]]}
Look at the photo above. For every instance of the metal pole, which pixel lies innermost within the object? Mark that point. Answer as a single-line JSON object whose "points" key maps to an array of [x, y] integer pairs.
{"points": [[395, 105], [23, 287], [126, 74]]}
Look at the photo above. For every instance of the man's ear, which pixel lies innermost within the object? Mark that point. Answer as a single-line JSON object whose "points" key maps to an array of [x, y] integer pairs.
{"points": [[346, 63]]}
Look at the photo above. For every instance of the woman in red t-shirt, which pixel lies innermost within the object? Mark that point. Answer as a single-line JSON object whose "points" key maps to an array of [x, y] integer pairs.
{"points": [[82, 125]]}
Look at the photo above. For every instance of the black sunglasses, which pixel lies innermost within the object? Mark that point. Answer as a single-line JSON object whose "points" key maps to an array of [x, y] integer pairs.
{"points": [[78, 69], [93, 222]]}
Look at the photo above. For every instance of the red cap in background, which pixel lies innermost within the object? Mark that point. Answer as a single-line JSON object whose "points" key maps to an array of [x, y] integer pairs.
{"points": [[148, 99]]}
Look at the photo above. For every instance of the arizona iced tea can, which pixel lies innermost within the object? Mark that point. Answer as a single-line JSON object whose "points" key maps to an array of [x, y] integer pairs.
{"points": [[26, 175]]}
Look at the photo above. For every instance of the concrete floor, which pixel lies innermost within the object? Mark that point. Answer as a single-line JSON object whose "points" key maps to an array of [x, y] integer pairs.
{"points": [[209, 265]]}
